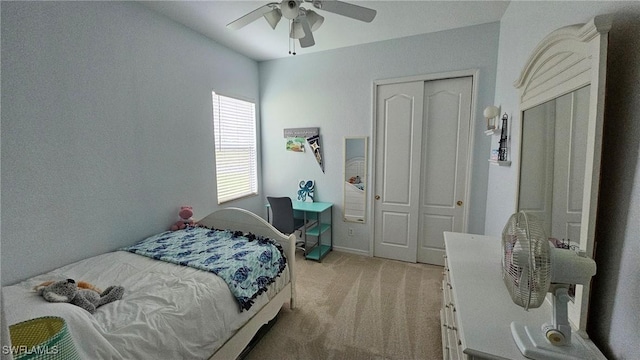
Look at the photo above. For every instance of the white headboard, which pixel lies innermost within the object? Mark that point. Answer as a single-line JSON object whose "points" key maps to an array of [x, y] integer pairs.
{"points": [[354, 167]]}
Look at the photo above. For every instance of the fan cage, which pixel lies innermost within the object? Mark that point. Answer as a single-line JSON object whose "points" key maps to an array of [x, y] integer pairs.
{"points": [[526, 263]]}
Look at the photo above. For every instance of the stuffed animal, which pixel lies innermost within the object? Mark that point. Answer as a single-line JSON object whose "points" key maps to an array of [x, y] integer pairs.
{"points": [[81, 285], [88, 299], [185, 214]]}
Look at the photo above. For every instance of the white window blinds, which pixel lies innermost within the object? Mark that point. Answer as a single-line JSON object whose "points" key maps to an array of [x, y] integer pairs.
{"points": [[234, 127]]}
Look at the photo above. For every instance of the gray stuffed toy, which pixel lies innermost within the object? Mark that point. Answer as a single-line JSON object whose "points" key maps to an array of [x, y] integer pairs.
{"points": [[68, 291]]}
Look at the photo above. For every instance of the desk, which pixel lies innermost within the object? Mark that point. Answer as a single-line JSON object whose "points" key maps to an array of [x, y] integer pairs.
{"points": [[315, 225]]}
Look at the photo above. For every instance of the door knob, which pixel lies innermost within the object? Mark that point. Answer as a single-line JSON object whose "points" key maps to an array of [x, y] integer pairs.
{"points": [[377, 197], [459, 203]]}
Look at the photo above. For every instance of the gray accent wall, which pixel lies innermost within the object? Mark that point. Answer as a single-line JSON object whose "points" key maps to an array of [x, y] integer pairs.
{"points": [[333, 90], [614, 311], [106, 128]]}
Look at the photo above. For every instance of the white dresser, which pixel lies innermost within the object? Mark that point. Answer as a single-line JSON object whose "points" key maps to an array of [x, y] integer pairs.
{"points": [[477, 310]]}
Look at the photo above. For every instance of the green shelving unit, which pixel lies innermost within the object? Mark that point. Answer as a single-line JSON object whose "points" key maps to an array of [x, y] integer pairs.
{"points": [[320, 250], [317, 230]]}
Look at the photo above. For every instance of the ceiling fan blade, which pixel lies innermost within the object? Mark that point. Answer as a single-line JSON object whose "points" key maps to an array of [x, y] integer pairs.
{"points": [[345, 9], [250, 17], [308, 39]]}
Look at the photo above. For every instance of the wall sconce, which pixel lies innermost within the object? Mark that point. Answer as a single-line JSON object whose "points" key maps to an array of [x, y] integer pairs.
{"points": [[490, 113]]}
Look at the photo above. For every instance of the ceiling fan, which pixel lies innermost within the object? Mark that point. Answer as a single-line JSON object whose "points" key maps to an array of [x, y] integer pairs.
{"points": [[303, 21]]}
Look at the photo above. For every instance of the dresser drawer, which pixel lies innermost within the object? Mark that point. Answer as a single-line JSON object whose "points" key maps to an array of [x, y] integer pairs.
{"points": [[451, 344]]}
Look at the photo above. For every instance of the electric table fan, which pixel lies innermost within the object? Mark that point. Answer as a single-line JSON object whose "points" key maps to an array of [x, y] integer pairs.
{"points": [[530, 269]]}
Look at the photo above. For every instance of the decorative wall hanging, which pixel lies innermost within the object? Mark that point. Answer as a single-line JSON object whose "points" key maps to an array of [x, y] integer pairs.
{"points": [[306, 190], [314, 144], [301, 132], [295, 142], [297, 137], [504, 137]]}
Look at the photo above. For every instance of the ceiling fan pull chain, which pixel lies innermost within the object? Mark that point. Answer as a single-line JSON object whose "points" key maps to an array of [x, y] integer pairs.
{"points": [[291, 40]]}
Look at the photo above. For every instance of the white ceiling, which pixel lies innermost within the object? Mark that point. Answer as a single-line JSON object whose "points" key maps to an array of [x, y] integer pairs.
{"points": [[395, 19]]}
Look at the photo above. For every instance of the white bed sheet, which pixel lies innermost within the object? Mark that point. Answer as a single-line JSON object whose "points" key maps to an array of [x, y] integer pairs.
{"points": [[353, 202], [167, 311]]}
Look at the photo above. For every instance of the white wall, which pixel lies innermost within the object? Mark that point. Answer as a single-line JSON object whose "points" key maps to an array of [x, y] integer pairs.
{"points": [[614, 314], [106, 128], [333, 90]]}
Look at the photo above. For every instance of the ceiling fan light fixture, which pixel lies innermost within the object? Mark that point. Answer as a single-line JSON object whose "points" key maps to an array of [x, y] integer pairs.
{"points": [[314, 20], [302, 22], [297, 32], [290, 8], [273, 17]]}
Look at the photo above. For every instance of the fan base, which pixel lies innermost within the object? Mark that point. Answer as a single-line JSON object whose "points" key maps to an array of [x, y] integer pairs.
{"points": [[534, 345]]}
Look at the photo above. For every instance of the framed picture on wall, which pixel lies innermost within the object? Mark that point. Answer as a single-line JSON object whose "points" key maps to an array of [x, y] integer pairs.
{"points": [[305, 190], [295, 144]]}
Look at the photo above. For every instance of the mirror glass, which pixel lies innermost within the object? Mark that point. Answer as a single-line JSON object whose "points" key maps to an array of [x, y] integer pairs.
{"points": [[553, 158], [355, 179]]}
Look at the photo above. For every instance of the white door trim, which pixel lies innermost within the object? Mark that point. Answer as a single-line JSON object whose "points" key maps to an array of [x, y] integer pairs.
{"points": [[474, 74]]}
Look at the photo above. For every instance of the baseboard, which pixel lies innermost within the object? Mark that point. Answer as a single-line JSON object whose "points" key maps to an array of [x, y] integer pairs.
{"points": [[351, 251]]}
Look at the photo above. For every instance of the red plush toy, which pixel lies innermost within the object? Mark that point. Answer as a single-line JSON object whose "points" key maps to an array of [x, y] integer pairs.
{"points": [[185, 214]]}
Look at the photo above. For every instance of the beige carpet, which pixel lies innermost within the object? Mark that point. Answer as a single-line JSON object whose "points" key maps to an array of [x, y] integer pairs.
{"points": [[357, 307]]}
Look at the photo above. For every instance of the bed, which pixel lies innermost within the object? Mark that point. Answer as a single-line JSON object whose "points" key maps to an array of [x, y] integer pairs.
{"points": [[168, 311], [354, 193]]}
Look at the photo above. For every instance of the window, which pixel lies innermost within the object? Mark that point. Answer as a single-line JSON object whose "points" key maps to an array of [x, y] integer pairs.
{"points": [[234, 131]]}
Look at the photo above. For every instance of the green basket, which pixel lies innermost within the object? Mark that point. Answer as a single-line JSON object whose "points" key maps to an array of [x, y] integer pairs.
{"points": [[42, 338]]}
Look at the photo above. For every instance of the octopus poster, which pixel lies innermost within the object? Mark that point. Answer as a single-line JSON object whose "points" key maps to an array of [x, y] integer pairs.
{"points": [[306, 190]]}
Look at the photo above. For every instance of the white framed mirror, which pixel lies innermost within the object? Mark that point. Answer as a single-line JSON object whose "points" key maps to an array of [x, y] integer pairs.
{"points": [[354, 202], [562, 90]]}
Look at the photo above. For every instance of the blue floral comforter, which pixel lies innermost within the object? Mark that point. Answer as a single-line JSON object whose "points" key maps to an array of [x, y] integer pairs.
{"points": [[247, 263]]}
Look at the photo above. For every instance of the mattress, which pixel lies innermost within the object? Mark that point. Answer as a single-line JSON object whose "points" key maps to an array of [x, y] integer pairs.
{"points": [[167, 312]]}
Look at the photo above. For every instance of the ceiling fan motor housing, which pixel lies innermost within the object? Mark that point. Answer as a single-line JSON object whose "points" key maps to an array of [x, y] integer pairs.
{"points": [[290, 8]]}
